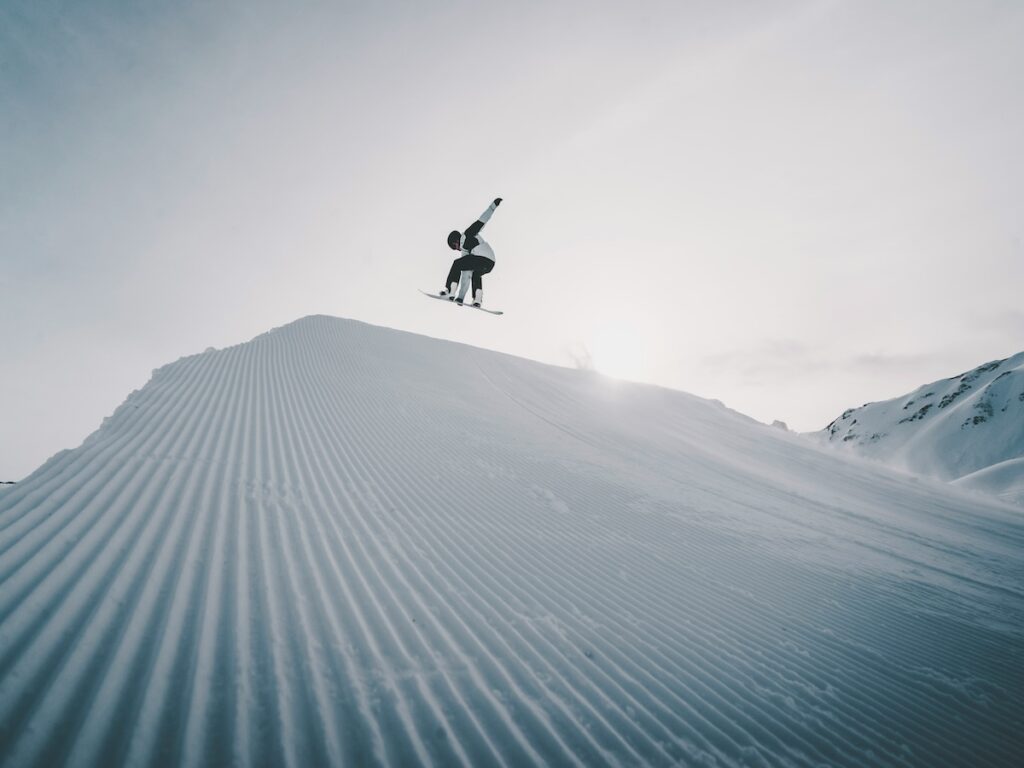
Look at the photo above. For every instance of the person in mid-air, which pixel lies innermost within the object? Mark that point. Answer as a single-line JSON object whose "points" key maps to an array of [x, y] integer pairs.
{"points": [[476, 259]]}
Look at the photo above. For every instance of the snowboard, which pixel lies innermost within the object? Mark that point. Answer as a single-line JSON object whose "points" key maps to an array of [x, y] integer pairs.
{"points": [[467, 305]]}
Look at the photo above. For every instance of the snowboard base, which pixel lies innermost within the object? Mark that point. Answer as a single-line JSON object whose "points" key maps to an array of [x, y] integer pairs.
{"points": [[468, 306]]}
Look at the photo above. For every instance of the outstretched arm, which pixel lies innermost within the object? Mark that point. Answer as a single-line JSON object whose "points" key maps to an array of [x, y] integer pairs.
{"points": [[473, 229]]}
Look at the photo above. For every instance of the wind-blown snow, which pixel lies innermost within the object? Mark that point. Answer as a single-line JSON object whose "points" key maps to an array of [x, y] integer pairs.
{"points": [[340, 544], [1005, 480], [956, 428]]}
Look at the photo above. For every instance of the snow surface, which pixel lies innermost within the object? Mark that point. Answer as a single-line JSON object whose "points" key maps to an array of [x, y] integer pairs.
{"points": [[950, 429], [1005, 480], [346, 545]]}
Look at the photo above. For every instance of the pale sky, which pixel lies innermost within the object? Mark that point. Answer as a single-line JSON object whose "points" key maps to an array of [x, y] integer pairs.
{"points": [[793, 207]]}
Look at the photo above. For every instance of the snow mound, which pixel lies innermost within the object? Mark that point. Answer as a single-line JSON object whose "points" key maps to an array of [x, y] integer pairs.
{"points": [[345, 545], [1005, 480]]}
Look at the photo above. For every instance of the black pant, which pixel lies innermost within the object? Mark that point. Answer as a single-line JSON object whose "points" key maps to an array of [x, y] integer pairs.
{"points": [[480, 265]]}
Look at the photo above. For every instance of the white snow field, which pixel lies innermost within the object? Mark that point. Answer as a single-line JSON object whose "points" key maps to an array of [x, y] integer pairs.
{"points": [[968, 429], [344, 545]]}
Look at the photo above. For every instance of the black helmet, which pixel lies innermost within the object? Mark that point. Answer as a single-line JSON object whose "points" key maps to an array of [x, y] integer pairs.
{"points": [[454, 239]]}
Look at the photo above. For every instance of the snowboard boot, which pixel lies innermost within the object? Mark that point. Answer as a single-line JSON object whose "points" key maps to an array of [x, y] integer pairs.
{"points": [[449, 292], [478, 298]]}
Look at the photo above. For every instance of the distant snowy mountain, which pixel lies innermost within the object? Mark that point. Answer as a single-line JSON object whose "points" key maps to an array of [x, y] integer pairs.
{"points": [[969, 428], [344, 545]]}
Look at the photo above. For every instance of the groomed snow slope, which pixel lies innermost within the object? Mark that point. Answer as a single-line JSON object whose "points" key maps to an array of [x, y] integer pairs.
{"points": [[340, 544]]}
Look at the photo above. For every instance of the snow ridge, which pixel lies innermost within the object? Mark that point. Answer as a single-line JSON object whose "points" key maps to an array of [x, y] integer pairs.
{"points": [[340, 544]]}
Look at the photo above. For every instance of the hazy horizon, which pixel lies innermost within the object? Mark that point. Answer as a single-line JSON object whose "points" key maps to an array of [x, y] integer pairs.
{"points": [[791, 207]]}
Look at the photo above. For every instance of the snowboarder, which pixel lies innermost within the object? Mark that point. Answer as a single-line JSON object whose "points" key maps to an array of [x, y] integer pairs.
{"points": [[475, 261]]}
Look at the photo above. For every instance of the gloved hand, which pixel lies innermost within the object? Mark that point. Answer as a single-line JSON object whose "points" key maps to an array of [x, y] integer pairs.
{"points": [[497, 201]]}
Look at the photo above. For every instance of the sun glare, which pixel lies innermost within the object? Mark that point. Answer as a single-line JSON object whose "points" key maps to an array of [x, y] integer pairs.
{"points": [[619, 354]]}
